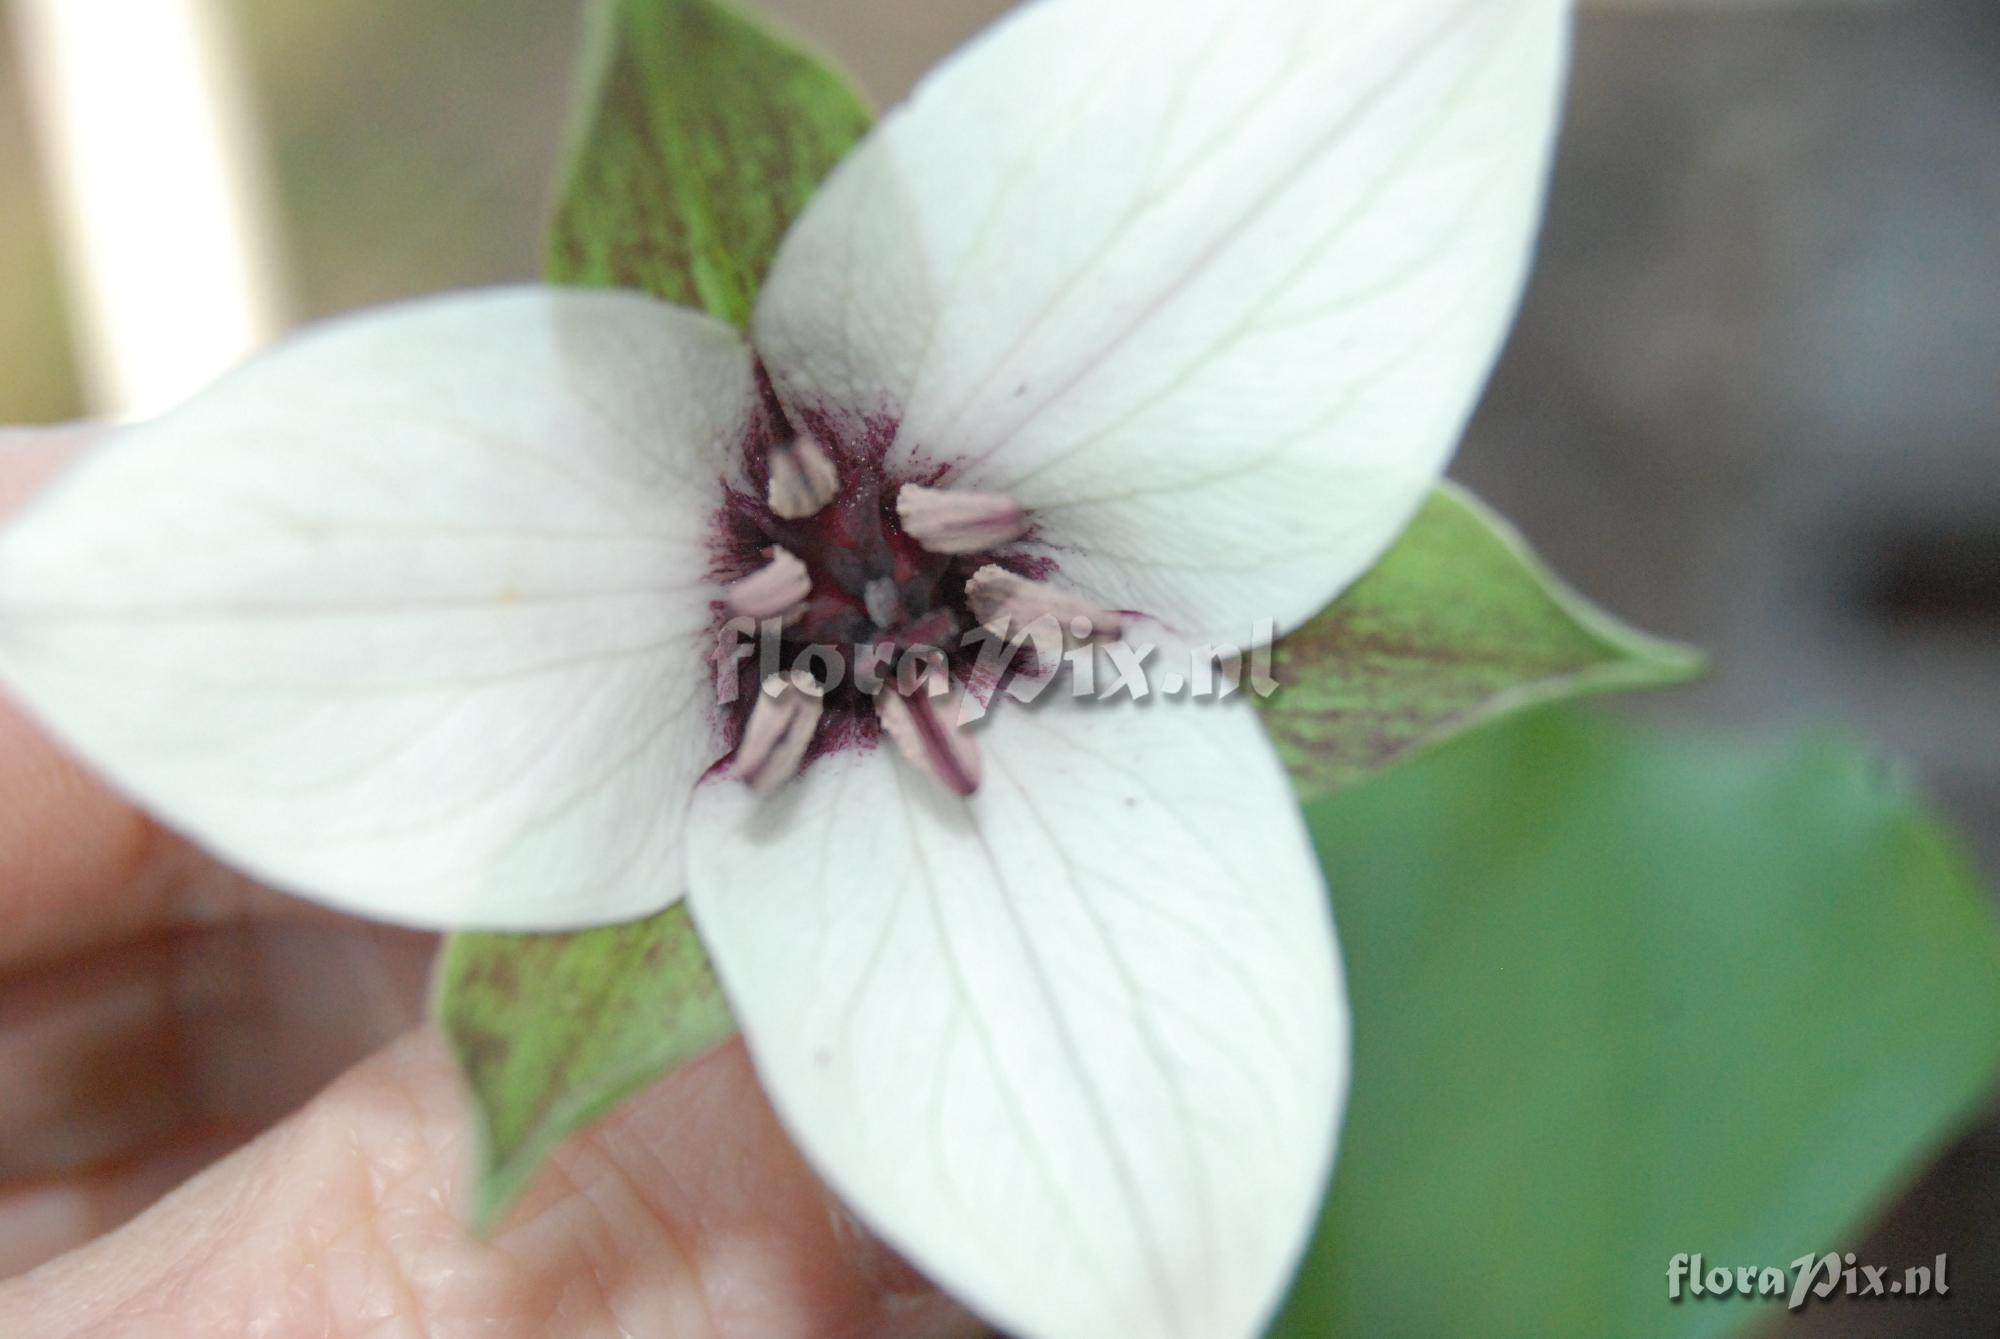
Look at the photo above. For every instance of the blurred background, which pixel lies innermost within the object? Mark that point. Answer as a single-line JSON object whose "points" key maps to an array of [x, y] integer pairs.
{"points": [[1753, 402]]}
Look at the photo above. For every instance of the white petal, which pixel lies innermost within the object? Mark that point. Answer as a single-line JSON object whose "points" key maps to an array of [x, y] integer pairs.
{"points": [[1210, 288], [1076, 1045], [407, 615]]}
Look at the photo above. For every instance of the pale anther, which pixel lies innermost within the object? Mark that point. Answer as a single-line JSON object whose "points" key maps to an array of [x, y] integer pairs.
{"points": [[779, 732], [928, 732], [803, 480], [774, 590], [1007, 604], [949, 521]]}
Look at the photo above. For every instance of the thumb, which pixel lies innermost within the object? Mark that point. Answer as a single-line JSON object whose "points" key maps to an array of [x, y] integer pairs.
{"points": [[688, 1214], [31, 457]]}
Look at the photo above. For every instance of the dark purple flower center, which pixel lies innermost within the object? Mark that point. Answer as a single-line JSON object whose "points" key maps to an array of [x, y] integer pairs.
{"points": [[877, 597]]}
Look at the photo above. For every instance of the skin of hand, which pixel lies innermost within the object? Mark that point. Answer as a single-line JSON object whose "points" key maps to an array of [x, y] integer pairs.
{"points": [[182, 1155]]}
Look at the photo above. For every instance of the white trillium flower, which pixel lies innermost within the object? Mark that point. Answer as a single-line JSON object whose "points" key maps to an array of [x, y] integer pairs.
{"points": [[1163, 307]]}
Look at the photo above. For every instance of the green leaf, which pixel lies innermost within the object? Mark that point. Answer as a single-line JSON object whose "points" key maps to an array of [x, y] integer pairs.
{"points": [[551, 1031], [1617, 998], [702, 137], [1457, 625]]}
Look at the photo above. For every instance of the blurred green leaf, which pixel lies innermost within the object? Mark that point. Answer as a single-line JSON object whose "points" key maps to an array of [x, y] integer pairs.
{"points": [[1618, 998], [1458, 624], [551, 1031], [703, 136]]}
